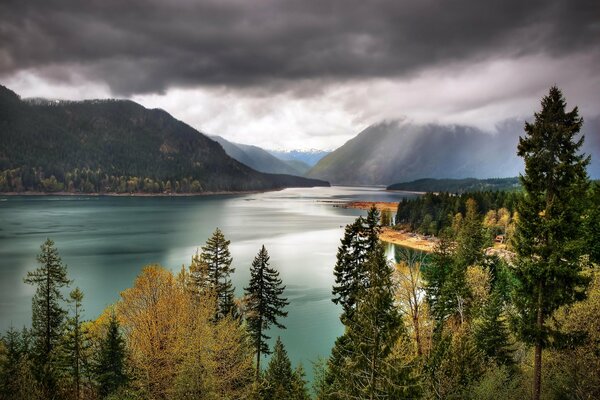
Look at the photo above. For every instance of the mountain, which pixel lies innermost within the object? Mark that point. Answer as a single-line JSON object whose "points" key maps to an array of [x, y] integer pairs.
{"points": [[458, 185], [257, 158], [308, 157], [115, 146], [399, 151]]}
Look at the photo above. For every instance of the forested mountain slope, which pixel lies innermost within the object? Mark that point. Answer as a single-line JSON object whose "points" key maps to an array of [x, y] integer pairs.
{"points": [[115, 146]]}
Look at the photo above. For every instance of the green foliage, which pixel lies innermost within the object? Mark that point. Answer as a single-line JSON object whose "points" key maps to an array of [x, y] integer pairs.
{"points": [[281, 382], [592, 224], [360, 239], [217, 260], [458, 186], [432, 213], [75, 345], [17, 381], [110, 370], [265, 303], [48, 312], [492, 335], [549, 237]]}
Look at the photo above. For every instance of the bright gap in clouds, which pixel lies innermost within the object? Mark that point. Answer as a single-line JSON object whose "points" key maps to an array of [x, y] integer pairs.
{"points": [[480, 94]]}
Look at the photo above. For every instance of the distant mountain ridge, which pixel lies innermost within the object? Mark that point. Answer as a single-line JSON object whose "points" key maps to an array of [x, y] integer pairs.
{"points": [[257, 158], [398, 151], [308, 157], [115, 146], [458, 185]]}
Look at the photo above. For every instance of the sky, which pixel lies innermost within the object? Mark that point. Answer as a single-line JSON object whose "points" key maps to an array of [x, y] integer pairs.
{"points": [[300, 74]]}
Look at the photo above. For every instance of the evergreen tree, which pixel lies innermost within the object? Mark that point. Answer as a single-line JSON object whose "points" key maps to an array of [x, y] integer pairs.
{"points": [[76, 343], [435, 275], [373, 332], [592, 224], [16, 369], [360, 239], [548, 235], [471, 238], [492, 335], [299, 384], [265, 303], [279, 375], [48, 313], [217, 260], [110, 369]]}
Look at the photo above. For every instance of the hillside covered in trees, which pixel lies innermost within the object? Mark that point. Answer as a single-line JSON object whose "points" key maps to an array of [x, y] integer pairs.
{"points": [[115, 146], [457, 185]]}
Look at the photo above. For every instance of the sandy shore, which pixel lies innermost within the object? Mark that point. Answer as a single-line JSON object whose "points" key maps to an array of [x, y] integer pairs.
{"points": [[406, 239], [366, 205]]}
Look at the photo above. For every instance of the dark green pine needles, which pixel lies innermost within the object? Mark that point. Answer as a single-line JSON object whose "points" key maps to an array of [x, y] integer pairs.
{"points": [[48, 314], [549, 235], [264, 304]]}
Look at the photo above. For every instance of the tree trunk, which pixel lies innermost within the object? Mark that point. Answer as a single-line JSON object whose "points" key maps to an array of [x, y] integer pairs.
{"points": [[537, 366]]}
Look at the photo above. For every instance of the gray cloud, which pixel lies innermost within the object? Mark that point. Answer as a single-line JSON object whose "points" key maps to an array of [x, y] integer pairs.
{"points": [[140, 46]]}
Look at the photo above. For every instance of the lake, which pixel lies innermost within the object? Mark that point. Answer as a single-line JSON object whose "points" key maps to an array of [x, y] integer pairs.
{"points": [[105, 241]]}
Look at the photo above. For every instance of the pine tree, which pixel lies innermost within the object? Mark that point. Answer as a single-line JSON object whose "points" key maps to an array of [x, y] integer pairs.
{"points": [[16, 369], [492, 335], [215, 267], [110, 368], [373, 332], [265, 303], [360, 239], [279, 375], [76, 343], [592, 224], [48, 313], [299, 384], [548, 236], [435, 275]]}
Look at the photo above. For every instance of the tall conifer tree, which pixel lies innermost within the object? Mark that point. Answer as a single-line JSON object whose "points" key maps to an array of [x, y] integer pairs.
{"points": [[360, 239], [76, 343], [110, 369], [265, 303], [48, 312], [216, 259], [549, 235]]}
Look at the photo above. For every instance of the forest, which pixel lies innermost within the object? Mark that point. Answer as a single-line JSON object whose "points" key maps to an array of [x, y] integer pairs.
{"points": [[115, 146], [455, 324]]}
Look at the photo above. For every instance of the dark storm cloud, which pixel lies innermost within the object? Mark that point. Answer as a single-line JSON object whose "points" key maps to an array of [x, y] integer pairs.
{"points": [[147, 46]]}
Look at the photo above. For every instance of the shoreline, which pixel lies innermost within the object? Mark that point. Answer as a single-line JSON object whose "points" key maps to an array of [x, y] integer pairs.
{"points": [[138, 194], [406, 239]]}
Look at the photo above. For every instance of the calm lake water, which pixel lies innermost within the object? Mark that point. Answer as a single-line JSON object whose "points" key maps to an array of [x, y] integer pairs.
{"points": [[105, 241]]}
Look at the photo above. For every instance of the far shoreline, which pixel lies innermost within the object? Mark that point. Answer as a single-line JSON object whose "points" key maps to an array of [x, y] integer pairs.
{"points": [[138, 194]]}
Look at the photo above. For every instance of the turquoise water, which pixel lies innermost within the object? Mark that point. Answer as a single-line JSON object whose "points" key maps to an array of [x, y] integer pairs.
{"points": [[105, 241]]}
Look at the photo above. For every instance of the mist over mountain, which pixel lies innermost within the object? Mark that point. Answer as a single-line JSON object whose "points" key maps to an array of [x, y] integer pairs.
{"points": [[115, 146], [308, 157], [258, 158], [400, 151]]}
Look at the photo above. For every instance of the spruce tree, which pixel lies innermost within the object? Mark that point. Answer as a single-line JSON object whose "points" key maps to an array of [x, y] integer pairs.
{"points": [[548, 239], [492, 334], [216, 258], [435, 275], [373, 332], [76, 343], [16, 369], [279, 375], [110, 368], [360, 239], [265, 303], [48, 312]]}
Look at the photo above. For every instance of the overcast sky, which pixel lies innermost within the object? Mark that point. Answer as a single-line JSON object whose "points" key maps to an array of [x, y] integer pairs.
{"points": [[307, 73]]}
